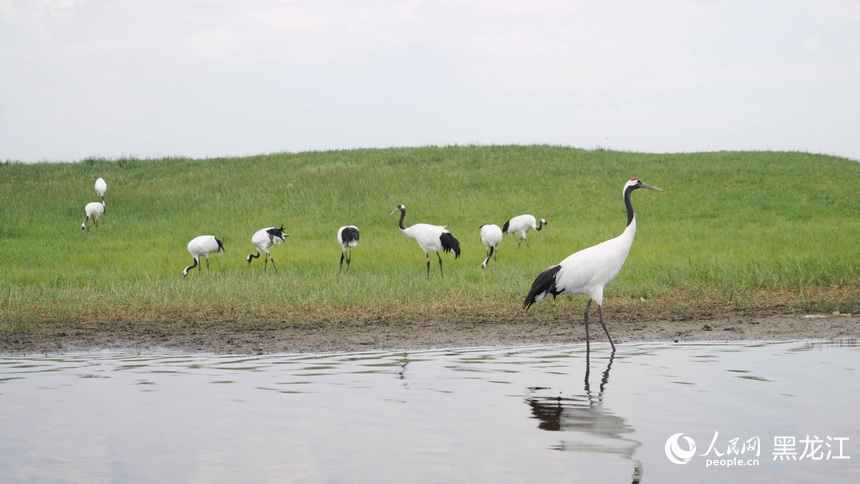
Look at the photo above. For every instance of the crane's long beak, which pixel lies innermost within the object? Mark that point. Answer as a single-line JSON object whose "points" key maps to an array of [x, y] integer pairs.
{"points": [[395, 210], [645, 185]]}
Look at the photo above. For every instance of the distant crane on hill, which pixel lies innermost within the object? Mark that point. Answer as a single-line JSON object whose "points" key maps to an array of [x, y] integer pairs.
{"points": [[431, 238], [101, 187], [202, 246], [491, 237], [521, 224], [94, 211], [347, 237], [264, 239]]}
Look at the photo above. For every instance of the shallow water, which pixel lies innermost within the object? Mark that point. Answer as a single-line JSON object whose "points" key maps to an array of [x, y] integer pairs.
{"points": [[520, 414]]}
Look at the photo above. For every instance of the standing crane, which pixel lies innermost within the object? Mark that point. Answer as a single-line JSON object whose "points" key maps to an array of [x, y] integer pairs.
{"points": [[101, 187], [521, 224], [590, 270], [491, 237], [431, 238], [94, 211], [347, 237], [202, 245], [264, 239]]}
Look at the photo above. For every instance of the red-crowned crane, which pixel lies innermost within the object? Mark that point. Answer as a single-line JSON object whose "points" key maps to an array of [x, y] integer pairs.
{"points": [[264, 239], [101, 187], [94, 210], [589, 270], [431, 238], [491, 237], [521, 224], [202, 245], [347, 237]]}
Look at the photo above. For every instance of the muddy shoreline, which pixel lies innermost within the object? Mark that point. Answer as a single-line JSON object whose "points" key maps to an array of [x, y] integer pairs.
{"points": [[266, 338]]}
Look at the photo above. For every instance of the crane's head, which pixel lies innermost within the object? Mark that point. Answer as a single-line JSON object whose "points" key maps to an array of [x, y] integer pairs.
{"points": [[544, 222], [400, 208], [635, 183]]}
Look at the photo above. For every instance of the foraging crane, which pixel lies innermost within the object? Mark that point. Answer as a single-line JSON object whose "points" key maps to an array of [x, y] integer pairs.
{"points": [[202, 245], [491, 237], [94, 211], [431, 238], [264, 239], [589, 270], [521, 224], [347, 237], [101, 187]]}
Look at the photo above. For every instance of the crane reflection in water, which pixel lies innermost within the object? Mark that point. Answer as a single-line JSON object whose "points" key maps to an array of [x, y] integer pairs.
{"points": [[588, 425]]}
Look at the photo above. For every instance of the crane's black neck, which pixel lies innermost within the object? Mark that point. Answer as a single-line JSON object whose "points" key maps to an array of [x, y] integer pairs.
{"points": [[628, 204], [402, 216]]}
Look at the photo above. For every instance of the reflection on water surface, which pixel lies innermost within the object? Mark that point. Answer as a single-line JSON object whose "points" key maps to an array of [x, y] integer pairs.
{"points": [[521, 414]]}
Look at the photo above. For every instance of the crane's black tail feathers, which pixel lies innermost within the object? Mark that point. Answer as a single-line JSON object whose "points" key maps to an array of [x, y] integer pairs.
{"points": [[505, 228], [350, 236], [449, 243], [543, 286]]}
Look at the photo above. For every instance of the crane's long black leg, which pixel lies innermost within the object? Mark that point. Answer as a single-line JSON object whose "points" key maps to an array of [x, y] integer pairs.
{"points": [[428, 264], [440, 264], [342, 256], [207, 262], [348, 260], [527, 244], [273, 263], [603, 323], [587, 340]]}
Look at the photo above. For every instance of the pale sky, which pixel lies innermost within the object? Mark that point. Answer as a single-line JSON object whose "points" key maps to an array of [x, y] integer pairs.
{"points": [[155, 78]]}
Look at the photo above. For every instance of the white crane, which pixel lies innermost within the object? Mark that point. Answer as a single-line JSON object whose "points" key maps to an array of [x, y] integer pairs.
{"points": [[589, 270], [521, 224], [94, 210], [431, 238], [347, 237], [264, 239], [491, 237], [101, 187], [202, 245]]}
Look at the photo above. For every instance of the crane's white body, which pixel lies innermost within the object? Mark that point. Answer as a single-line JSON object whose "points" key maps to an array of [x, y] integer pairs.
{"points": [[491, 237], [427, 236], [347, 237], [263, 240], [202, 246], [590, 270], [101, 187], [94, 211], [431, 238], [522, 224]]}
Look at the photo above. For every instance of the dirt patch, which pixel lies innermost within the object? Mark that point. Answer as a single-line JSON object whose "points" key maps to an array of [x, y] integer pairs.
{"points": [[264, 338]]}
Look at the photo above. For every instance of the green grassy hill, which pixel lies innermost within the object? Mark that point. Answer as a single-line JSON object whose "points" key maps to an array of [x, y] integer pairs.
{"points": [[731, 231]]}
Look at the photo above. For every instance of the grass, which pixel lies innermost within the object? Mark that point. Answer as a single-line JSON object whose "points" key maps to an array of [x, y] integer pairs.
{"points": [[731, 232]]}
